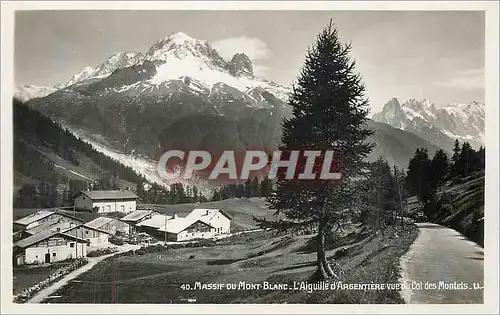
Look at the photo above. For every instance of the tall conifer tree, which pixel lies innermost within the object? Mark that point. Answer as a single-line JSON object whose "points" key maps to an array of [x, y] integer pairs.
{"points": [[329, 113]]}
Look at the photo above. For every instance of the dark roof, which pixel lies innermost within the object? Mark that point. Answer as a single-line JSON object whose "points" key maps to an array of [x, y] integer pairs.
{"points": [[87, 227], [40, 228], [98, 222], [136, 215], [41, 215], [43, 236], [110, 194], [34, 217], [84, 216]]}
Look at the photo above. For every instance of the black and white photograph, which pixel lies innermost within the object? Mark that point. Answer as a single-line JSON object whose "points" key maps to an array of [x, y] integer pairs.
{"points": [[267, 155]]}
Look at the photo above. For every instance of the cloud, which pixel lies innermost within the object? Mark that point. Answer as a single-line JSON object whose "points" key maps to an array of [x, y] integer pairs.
{"points": [[254, 48], [471, 79]]}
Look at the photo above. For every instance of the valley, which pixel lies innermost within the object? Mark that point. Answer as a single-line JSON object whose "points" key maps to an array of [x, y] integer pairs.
{"points": [[86, 152]]}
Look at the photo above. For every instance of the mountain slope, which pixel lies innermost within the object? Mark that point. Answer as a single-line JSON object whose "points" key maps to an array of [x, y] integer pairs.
{"points": [[178, 78], [397, 146], [45, 152], [182, 95], [465, 122]]}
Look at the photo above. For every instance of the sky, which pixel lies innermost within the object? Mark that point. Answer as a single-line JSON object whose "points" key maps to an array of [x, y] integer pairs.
{"points": [[438, 55]]}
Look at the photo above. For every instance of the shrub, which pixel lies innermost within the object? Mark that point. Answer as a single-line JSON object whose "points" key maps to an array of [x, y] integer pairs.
{"points": [[116, 241], [56, 275], [102, 252]]}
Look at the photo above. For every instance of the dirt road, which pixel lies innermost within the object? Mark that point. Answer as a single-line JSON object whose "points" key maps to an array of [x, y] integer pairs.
{"points": [[443, 258], [43, 294]]}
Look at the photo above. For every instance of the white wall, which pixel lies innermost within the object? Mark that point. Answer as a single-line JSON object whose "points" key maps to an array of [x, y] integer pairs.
{"points": [[126, 206], [96, 238], [185, 236], [37, 254], [84, 202], [116, 226], [221, 223]]}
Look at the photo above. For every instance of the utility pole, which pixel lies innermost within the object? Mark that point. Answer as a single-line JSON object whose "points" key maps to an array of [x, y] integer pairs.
{"points": [[396, 175], [166, 230]]}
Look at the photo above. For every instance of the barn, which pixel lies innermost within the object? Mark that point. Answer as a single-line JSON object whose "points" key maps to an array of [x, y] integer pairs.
{"points": [[45, 218], [107, 201], [136, 217], [110, 225], [153, 224], [95, 237], [199, 223], [48, 246], [217, 218]]}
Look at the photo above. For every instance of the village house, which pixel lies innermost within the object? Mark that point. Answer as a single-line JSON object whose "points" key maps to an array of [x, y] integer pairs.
{"points": [[45, 218], [217, 218], [152, 224], [111, 225], [199, 223], [106, 201], [48, 246], [96, 238], [134, 218]]}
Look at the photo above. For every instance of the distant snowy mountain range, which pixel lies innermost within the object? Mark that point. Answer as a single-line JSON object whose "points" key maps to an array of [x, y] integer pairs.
{"points": [[441, 126], [177, 57], [182, 94], [27, 92]]}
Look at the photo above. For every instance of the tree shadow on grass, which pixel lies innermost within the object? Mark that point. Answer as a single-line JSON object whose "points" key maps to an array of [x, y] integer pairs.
{"points": [[223, 261], [298, 266]]}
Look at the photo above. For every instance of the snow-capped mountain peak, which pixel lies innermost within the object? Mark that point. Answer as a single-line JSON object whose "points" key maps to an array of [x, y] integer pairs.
{"points": [[84, 74], [175, 57], [27, 92], [240, 65], [464, 122], [116, 61], [181, 46]]}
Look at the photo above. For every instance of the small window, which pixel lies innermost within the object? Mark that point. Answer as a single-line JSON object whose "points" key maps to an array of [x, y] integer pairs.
{"points": [[71, 245], [88, 244], [58, 229], [86, 232], [53, 254]]}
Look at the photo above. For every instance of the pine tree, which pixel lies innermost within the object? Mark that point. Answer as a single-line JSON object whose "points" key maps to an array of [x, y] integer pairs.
{"points": [[27, 197], [329, 113], [380, 197], [248, 188], [195, 194], [418, 176], [254, 188], [216, 196], [465, 162], [266, 187], [481, 153], [439, 168], [399, 178], [454, 159]]}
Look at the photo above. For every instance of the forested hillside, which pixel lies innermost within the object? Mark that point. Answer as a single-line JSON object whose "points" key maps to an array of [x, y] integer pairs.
{"points": [[51, 164], [449, 191]]}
